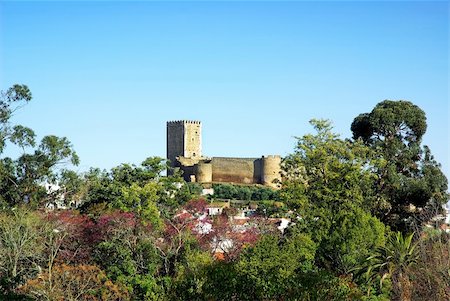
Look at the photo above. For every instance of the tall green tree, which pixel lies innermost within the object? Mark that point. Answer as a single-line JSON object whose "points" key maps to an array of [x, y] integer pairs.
{"points": [[22, 179], [10, 101], [395, 126], [409, 180], [328, 182]]}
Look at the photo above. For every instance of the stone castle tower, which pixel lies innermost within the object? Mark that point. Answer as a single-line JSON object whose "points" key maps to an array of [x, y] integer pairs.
{"points": [[184, 139], [184, 151]]}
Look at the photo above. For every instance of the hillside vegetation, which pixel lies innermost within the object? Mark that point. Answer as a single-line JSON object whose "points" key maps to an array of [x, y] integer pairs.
{"points": [[363, 220]]}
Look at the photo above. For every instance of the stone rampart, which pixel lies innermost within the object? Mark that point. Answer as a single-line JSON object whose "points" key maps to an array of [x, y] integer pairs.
{"points": [[236, 170]]}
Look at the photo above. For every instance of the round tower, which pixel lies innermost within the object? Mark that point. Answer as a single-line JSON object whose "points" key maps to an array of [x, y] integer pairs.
{"points": [[271, 168], [203, 171]]}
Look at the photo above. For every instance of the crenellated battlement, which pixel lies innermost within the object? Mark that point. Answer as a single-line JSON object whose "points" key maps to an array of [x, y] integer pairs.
{"points": [[271, 157], [183, 122]]}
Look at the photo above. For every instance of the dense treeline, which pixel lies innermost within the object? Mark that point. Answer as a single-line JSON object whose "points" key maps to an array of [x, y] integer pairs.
{"points": [[244, 192], [365, 221]]}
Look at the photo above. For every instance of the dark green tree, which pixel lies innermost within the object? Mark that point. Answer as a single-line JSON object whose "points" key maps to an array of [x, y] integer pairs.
{"points": [[267, 270], [409, 180]]}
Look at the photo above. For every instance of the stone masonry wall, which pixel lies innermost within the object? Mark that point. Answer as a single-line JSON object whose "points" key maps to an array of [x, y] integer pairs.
{"points": [[236, 170], [192, 139], [175, 141]]}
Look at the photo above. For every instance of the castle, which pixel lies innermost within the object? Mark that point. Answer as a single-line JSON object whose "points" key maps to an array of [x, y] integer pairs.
{"points": [[184, 151]]}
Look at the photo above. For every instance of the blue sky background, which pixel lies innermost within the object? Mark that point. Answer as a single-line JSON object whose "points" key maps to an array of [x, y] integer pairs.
{"points": [[108, 75]]}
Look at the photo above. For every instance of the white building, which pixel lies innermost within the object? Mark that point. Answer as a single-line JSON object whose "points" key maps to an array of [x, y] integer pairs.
{"points": [[447, 213]]}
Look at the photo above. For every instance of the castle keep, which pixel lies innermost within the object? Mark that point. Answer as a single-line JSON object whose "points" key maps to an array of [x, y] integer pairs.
{"points": [[184, 150]]}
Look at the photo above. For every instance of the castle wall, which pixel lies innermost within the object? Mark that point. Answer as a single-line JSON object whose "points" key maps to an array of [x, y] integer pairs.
{"points": [[236, 170], [263, 170]]}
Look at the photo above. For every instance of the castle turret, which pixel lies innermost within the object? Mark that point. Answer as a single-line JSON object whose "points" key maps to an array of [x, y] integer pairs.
{"points": [[270, 171], [203, 171]]}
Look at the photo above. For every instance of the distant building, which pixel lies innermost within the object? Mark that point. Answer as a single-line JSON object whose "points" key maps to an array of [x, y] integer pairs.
{"points": [[216, 208], [184, 151], [447, 213], [55, 191], [57, 198]]}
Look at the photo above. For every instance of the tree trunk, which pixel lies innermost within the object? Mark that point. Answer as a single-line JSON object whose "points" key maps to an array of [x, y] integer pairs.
{"points": [[403, 287]]}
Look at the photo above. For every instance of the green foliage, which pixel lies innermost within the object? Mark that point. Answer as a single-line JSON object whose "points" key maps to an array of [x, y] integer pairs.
{"points": [[267, 268], [146, 287], [126, 187], [149, 170], [21, 245], [139, 189], [195, 190], [391, 123], [191, 276], [352, 236], [322, 285], [409, 174], [397, 256], [271, 209], [72, 185], [141, 200], [395, 260], [174, 193], [56, 149], [22, 136], [10, 101], [21, 178], [245, 193], [223, 282], [128, 255], [154, 166], [326, 170], [327, 181]]}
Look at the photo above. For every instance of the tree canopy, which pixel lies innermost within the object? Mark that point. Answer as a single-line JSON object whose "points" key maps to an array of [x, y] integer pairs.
{"points": [[409, 179]]}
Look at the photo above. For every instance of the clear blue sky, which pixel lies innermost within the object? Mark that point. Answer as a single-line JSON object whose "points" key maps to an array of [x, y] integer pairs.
{"points": [[108, 75]]}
